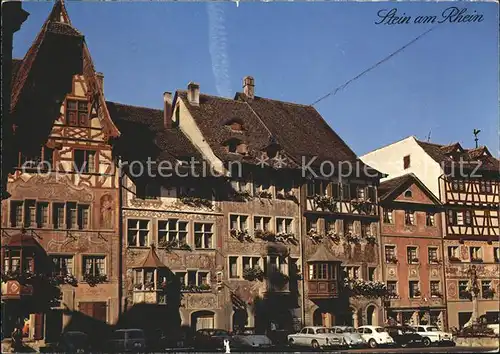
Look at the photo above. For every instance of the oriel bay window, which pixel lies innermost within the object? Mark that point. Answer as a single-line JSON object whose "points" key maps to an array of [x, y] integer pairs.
{"points": [[138, 232], [322, 271]]}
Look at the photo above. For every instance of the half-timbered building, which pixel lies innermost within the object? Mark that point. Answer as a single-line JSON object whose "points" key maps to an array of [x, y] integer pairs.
{"points": [[467, 184], [275, 276], [412, 259], [63, 192]]}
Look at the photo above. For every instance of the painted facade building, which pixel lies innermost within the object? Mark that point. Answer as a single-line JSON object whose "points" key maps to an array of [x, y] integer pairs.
{"points": [[63, 195], [466, 181], [411, 232]]}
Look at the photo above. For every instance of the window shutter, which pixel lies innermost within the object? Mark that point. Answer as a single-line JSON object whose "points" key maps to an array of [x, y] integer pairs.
{"points": [[99, 311], [364, 271], [345, 191], [353, 192], [335, 191]]}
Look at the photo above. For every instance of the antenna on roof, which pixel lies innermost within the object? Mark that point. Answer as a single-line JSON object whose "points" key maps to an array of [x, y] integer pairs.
{"points": [[476, 132], [429, 136]]}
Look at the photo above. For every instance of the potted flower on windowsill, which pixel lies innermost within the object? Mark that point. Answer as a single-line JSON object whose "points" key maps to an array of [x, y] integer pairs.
{"points": [[354, 239], [417, 293], [94, 279], [392, 260], [465, 295], [488, 293], [265, 235], [138, 286], [197, 202], [436, 294], [371, 240], [325, 203], [414, 261], [334, 236], [315, 236], [286, 237], [264, 194], [454, 259], [476, 260], [241, 196], [252, 274], [434, 261], [241, 235]]}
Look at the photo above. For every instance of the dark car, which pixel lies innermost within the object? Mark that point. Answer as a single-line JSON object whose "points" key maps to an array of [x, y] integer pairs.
{"points": [[404, 336], [211, 339], [73, 342]]}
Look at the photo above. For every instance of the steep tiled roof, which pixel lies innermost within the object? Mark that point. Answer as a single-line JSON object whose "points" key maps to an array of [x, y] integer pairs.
{"points": [[51, 26], [322, 254], [16, 63], [211, 116], [151, 260], [143, 135], [23, 240], [395, 186], [300, 129], [450, 155]]}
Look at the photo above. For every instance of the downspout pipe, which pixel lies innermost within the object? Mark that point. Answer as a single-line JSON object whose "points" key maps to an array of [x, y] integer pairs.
{"points": [[302, 254], [120, 238]]}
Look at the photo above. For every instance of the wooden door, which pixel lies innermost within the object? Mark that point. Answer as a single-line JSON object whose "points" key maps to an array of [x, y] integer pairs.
{"points": [[97, 310]]}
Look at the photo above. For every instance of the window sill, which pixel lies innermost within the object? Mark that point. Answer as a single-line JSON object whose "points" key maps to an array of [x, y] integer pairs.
{"points": [[204, 249]]}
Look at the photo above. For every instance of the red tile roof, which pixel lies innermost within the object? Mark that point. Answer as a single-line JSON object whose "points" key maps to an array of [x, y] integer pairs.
{"points": [[393, 187], [448, 156], [151, 260]]}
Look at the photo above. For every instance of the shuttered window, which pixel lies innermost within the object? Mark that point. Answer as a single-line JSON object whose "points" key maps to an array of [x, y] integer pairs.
{"points": [[95, 310]]}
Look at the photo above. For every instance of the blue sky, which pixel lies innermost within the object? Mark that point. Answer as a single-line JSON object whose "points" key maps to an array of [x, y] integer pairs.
{"points": [[447, 82]]}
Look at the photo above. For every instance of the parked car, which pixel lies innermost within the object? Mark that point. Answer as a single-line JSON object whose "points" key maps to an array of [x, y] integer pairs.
{"points": [[126, 340], [248, 339], [404, 336], [211, 339], [73, 342], [375, 336], [351, 336], [316, 338], [492, 321], [433, 335]]}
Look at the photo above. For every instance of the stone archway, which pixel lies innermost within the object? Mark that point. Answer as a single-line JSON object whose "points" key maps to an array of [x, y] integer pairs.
{"points": [[372, 315], [202, 319], [323, 318]]}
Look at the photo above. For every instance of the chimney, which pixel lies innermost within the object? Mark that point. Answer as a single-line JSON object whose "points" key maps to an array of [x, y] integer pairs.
{"points": [[194, 93], [249, 87], [100, 78], [167, 110]]}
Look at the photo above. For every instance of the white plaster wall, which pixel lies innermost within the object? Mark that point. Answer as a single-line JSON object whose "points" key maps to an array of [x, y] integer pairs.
{"points": [[389, 160]]}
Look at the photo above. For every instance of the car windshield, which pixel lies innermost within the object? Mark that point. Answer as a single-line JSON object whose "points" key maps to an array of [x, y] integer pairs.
{"points": [[119, 335], [220, 332], [349, 330], [380, 329], [432, 329], [135, 334], [322, 331]]}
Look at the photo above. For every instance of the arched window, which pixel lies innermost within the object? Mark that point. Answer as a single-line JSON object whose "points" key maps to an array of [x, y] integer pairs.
{"points": [[408, 194]]}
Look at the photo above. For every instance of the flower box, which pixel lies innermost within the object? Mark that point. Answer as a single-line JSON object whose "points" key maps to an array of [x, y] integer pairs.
{"points": [[241, 196], [366, 288], [174, 244], [197, 202], [436, 294], [325, 203], [265, 235], [371, 240], [414, 261], [315, 236], [465, 294], [476, 260], [241, 235], [350, 238], [392, 260], [264, 194], [434, 261], [454, 259], [195, 288], [252, 274], [488, 293], [334, 236], [286, 237], [416, 293], [94, 279]]}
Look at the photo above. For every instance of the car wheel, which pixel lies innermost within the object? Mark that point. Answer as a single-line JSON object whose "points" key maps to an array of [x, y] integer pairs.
{"points": [[291, 342], [315, 344], [427, 342], [372, 343]]}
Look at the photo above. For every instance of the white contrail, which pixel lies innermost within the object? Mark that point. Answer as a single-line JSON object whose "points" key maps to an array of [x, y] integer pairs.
{"points": [[217, 45]]}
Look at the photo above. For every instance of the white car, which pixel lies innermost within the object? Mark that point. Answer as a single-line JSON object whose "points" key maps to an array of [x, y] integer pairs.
{"points": [[433, 335], [351, 336], [375, 336], [316, 338]]}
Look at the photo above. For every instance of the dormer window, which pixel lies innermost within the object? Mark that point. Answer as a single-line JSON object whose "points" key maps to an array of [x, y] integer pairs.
{"points": [[235, 146], [408, 194], [234, 125]]}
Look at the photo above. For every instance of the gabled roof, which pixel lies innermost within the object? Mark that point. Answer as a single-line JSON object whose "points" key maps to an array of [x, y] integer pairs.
{"points": [[300, 129], [451, 155], [322, 254], [58, 23], [151, 260], [212, 116], [23, 71], [143, 135], [23, 239], [395, 186]]}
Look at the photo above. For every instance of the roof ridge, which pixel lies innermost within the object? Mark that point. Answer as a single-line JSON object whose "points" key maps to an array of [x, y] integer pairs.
{"points": [[133, 106], [285, 102], [213, 96]]}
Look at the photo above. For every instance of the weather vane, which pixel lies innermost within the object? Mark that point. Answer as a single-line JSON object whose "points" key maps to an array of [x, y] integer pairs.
{"points": [[476, 132]]}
